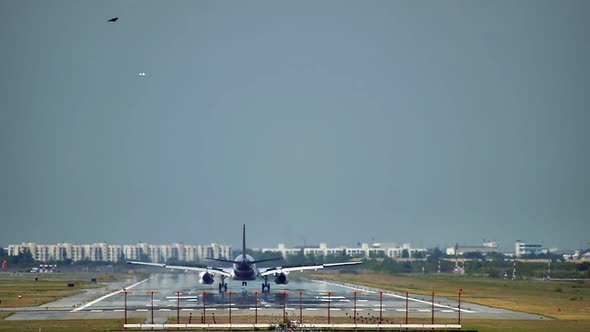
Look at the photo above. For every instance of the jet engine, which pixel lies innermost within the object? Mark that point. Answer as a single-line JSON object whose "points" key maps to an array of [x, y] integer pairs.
{"points": [[206, 278], [281, 279]]}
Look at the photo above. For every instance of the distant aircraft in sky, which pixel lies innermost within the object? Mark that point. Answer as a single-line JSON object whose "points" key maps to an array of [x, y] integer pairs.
{"points": [[114, 19], [244, 269]]}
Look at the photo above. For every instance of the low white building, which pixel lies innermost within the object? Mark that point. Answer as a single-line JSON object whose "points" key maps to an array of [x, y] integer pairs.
{"points": [[391, 250], [524, 248], [104, 252]]}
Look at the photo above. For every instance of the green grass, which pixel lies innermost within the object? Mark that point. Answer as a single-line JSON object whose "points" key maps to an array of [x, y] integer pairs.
{"points": [[527, 326], [62, 325], [559, 300], [48, 287], [566, 302]]}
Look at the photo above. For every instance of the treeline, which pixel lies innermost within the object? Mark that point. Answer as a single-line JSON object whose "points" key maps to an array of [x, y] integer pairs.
{"points": [[22, 259], [490, 268], [495, 265]]}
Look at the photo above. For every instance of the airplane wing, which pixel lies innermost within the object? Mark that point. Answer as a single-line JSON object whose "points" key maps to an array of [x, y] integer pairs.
{"points": [[201, 268], [286, 269], [251, 262]]}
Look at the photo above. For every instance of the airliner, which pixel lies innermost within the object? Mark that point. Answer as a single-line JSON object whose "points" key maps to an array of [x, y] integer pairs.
{"points": [[244, 269]]}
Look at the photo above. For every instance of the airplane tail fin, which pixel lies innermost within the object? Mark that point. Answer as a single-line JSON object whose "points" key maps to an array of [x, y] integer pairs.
{"points": [[244, 260], [244, 244]]}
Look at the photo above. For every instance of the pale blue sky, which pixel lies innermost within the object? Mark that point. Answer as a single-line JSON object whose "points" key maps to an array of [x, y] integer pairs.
{"points": [[316, 121]]}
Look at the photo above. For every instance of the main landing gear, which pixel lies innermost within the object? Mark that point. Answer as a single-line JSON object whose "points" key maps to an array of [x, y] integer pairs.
{"points": [[244, 283], [266, 285], [222, 285]]}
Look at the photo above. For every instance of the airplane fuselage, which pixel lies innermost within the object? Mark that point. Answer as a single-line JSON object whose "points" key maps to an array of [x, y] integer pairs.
{"points": [[243, 269]]}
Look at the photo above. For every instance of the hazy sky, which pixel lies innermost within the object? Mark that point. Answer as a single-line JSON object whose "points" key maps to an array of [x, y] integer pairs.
{"points": [[309, 121]]}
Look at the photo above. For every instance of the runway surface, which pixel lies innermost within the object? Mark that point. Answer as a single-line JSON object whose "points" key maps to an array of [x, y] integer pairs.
{"points": [[315, 299]]}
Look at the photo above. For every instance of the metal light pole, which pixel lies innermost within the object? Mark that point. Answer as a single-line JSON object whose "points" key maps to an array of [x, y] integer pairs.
{"points": [[125, 292], [177, 307], [432, 321], [256, 307], [230, 307], [459, 311], [152, 304], [354, 307], [380, 307], [300, 309], [329, 302], [204, 317], [406, 307], [284, 304]]}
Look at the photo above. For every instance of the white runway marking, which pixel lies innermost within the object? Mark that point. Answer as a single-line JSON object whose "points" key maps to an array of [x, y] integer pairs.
{"points": [[119, 310], [187, 309], [164, 310], [314, 309], [330, 297], [141, 310], [357, 288], [109, 295], [182, 297], [96, 310]]}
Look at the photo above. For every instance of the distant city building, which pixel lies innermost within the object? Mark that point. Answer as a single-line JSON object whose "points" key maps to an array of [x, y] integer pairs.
{"points": [[391, 250], [523, 248], [487, 247], [103, 252]]}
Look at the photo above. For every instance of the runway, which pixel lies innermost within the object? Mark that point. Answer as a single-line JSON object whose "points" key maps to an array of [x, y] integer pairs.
{"points": [[308, 297]]}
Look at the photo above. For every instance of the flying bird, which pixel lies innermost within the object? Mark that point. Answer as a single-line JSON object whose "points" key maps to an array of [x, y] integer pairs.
{"points": [[114, 19]]}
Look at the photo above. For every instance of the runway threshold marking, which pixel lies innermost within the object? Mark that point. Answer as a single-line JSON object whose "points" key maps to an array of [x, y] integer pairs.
{"points": [[357, 288], [82, 307]]}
